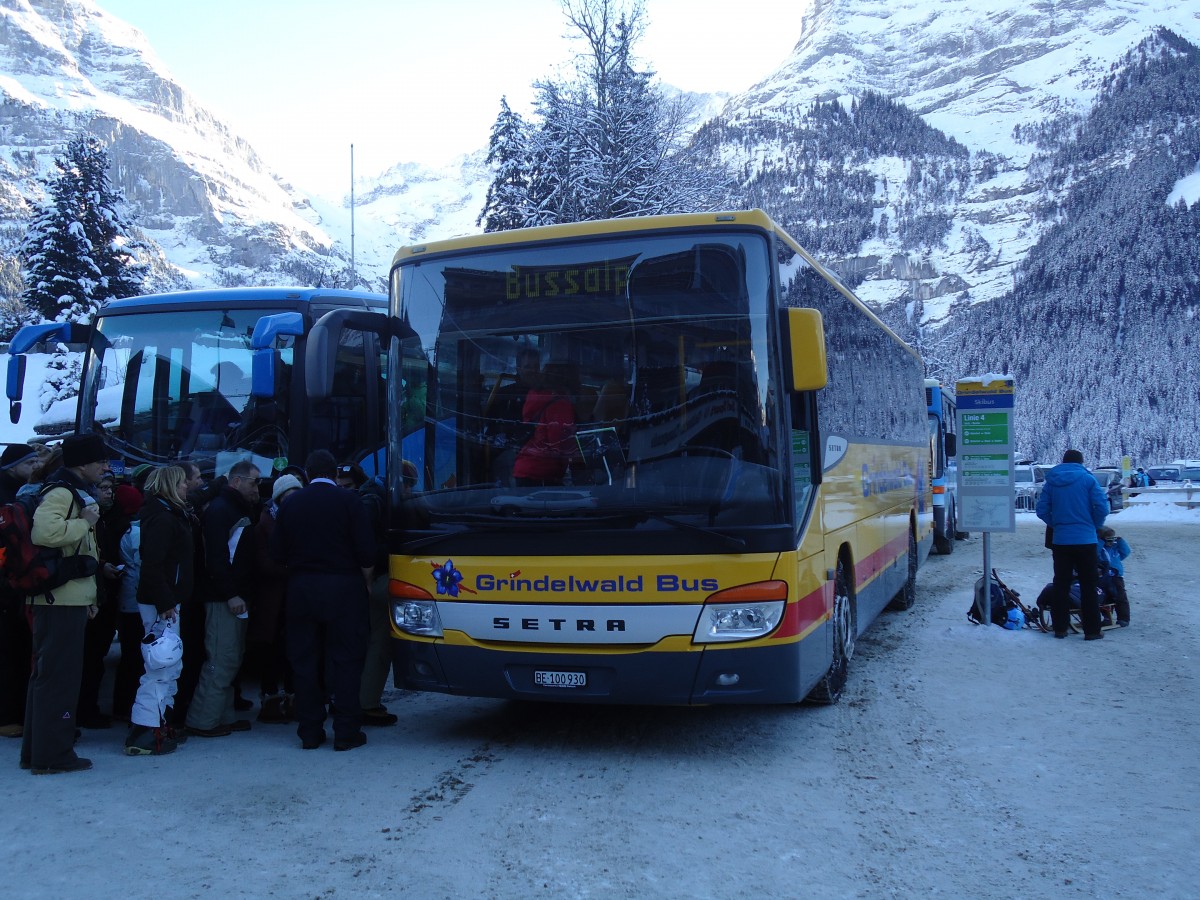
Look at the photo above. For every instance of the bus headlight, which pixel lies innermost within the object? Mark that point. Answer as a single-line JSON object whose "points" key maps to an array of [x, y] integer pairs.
{"points": [[737, 621], [417, 617]]}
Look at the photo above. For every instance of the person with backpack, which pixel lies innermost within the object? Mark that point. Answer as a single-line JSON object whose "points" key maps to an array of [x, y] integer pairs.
{"points": [[64, 519], [1073, 504], [17, 463]]}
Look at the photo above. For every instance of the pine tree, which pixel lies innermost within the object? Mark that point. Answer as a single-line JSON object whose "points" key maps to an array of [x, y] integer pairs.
{"points": [[606, 144], [79, 251], [507, 196]]}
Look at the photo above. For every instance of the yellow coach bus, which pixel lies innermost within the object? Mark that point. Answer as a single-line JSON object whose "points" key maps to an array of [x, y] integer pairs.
{"points": [[666, 460]]}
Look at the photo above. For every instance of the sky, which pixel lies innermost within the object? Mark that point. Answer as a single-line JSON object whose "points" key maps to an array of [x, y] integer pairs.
{"points": [[407, 81]]}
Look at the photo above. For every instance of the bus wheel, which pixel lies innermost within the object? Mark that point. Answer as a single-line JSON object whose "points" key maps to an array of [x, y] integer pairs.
{"points": [[829, 688], [958, 535], [951, 531], [907, 595]]}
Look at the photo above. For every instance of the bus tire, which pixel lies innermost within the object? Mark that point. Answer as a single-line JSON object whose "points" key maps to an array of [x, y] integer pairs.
{"points": [[833, 682], [951, 529], [907, 595]]}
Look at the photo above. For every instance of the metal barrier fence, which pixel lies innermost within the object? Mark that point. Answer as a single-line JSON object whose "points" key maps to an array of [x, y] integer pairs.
{"points": [[1186, 495]]}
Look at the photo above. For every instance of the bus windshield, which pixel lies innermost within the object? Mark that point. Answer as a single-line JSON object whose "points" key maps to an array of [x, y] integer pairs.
{"points": [[170, 385], [622, 385]]}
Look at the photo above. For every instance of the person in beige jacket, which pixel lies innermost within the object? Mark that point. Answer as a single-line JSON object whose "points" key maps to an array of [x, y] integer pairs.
{"points": [[66, 518]]}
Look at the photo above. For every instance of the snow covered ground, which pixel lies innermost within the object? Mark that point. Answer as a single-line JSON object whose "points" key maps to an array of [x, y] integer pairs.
{"points": [[962, 762]]}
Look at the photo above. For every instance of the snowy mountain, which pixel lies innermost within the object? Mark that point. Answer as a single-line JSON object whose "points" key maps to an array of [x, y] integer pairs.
{"points": [[196, 189], [941, 156], [981, 73]]}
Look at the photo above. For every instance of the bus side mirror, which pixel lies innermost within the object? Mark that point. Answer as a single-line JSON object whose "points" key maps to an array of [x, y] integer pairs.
{"points": [[264, 362], [15, 386], [952, 444], [320, 353], [16, 378], [804, 333], [26, 338]]}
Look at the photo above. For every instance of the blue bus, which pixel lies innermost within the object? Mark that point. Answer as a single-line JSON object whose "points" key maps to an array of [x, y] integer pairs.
{"points": [[213, 376], [943, 465]]}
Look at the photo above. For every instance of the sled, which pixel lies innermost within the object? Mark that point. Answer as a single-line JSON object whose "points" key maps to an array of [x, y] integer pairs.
{"points": [[1108, 615]]}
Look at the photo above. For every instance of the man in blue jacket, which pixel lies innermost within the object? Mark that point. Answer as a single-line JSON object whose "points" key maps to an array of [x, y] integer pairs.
{"points": [[1074, 505]]}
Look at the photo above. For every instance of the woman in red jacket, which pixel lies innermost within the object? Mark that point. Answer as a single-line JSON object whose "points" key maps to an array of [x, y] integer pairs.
{"points": [[548, 407]]}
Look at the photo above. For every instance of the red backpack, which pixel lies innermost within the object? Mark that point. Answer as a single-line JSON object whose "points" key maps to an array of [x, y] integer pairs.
{"points": [[27, 568]]}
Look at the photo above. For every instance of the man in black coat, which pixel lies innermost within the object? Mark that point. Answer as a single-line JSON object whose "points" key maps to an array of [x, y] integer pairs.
{"points": [[323, 536], [228, 577]]}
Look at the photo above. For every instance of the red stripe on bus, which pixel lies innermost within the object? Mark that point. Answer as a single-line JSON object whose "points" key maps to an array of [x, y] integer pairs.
{"points": [[868, 568], [801, 616]]}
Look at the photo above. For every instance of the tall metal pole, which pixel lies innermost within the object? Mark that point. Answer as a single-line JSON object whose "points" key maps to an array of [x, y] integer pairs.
{"points": [[985, 612], [353, 273]]}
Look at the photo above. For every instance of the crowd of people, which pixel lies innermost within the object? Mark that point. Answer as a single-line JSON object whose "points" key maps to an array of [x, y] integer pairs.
{"points": [[202, 584]]}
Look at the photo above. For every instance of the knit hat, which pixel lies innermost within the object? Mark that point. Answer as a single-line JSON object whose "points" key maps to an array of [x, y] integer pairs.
{"points": [[81, 449], [15, 454], [128, 499], [140, 474], [283, 484]]}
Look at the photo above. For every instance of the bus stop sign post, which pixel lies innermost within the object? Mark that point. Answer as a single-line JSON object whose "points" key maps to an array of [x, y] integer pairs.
{"points": [[985, 466]]}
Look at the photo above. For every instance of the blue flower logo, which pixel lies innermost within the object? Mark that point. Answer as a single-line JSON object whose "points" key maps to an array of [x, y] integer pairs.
{"points": [[448, 578]]}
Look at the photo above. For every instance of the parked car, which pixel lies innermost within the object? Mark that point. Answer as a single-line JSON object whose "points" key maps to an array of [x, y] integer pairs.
{"points": [[1111, 483], [1027, 485], [1165, 473]]}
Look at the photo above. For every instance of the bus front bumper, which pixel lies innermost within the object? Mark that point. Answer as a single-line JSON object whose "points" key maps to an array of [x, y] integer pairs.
{"points": [[708, 676]]}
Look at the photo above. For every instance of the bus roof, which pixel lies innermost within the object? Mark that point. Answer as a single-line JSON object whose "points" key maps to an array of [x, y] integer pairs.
{"points": [[753, 218], [289, 297]]}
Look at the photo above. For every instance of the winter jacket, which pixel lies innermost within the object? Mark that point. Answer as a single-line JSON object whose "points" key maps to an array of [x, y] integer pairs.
{"points": [[166, 549], [131, 558], [57, 522], [223, 577], [1073, 503], [270, 582], [1111, 556], [544, 457]]}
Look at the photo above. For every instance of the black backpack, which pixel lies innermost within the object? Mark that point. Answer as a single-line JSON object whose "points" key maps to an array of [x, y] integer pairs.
{"points": [[1000, 604]]}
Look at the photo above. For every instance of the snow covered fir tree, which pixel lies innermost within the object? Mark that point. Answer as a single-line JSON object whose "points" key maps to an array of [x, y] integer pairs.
{"points": [[78, 253], [606, 144]]}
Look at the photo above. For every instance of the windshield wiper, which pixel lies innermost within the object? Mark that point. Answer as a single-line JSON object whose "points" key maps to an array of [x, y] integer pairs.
{"points": [[729, 540]]}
